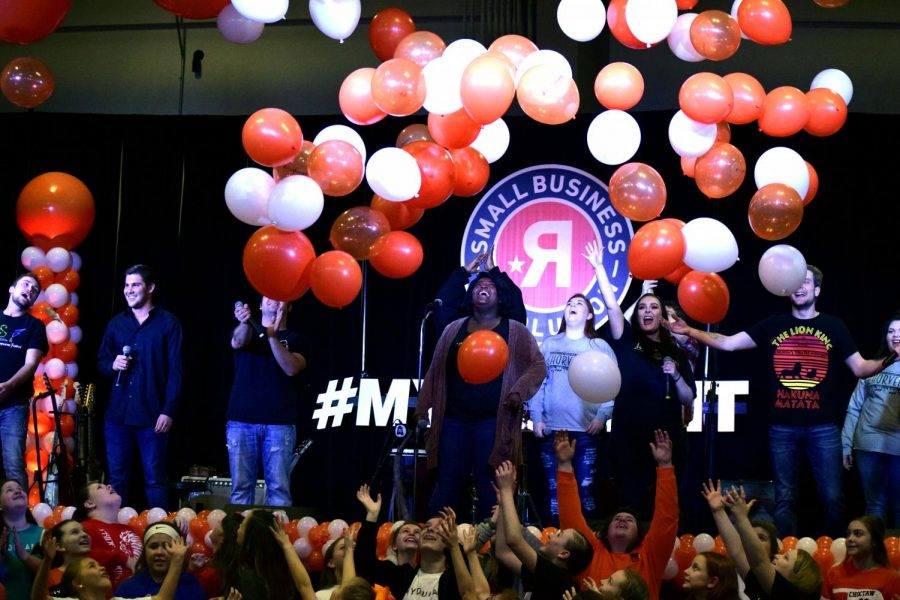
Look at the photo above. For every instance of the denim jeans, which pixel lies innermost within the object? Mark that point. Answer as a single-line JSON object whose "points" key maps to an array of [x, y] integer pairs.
{"points": [[464, 448], [584, 464], [249, 443], [822, 446], [12, 439], [120, 443], [880, 474]]}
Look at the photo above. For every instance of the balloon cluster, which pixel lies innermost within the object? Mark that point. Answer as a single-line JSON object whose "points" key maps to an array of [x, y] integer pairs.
{"points": [[311, 538]]}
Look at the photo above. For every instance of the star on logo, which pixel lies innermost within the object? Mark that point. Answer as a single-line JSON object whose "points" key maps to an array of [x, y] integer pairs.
{"points": [[515, 265]]}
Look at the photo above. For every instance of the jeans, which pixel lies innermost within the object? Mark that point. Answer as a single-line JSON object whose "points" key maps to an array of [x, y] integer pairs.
{"points": [[12, 441], [583, 463], [465, 447], [822, 446], [880, 474], [247, 444], [120, 442]]}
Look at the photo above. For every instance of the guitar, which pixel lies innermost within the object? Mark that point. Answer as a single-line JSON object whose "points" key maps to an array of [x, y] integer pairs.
{"points": [[87, 468], [59, 459]]}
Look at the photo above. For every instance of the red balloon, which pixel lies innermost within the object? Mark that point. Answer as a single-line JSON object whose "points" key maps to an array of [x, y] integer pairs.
{"points": [[766, 22], [775, 211], [400, 215], [482, 356], [277, 263], [677, 275], [684, 554], [27, 82], [396, 255], [44, 276], [357, 229], [66, 352], [749, 95], [298, 166], [28, 21], [386, 29], [39, 309], [337, 166], [472, 171], [723, 132], [715, 35], [813, 184], [827, 112], [138, 523], [272, 137], [785, 111], [194, 9], [70, 279], [788, 543], [637, 191], [315, 562], [318, 535], [706, 97], [383, 540], [456, 130], [824, 558], [720, 172], [615, 18], [689, 166], [686, 4], [704, 297], [656, 249], [199, 552], [335, 279], [55, 209], [487, 88], [438, 173], [355, 98]]}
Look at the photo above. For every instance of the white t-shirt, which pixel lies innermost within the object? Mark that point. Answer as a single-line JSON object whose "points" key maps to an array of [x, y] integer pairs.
{"points": [[424, 586]]}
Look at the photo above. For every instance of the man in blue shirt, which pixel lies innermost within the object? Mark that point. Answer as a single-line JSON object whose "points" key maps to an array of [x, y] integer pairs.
{"points": [[141, 351]]}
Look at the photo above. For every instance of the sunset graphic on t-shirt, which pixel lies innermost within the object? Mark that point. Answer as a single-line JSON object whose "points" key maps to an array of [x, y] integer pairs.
{"points": [[801, 362]]}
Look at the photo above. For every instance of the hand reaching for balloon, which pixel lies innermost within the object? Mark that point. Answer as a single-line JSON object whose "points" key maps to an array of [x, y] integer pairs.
{"points": [[489, 260], [373, 507], [662, 448], [564, 449], [736, 499], [713, 495], [676, 324], [473, 264], [593, 252], [648, 286], [505, 475]]}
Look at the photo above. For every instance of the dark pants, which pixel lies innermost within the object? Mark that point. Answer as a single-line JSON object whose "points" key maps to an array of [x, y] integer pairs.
{"points": [[464, 450], [120, 443]]}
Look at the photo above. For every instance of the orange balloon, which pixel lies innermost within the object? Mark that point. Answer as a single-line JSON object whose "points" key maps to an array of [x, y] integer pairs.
{"points": [[398, 87], [720, 172], [386, 29], [618, 26], [678, 274], [749, 95], [656, 249], [704, 297], [357, 229], [893, 553], [456, 130], [706, 97], [335, 279], [337, 167], [831, 3], [383, 540], [637, 191], [55, 209], [766, 22], [684, 555], [824, 558], [482, 356], [277, 263], [272, 137], [400, 215], [67, 351], [487, 88], [827, 112], [194, 9], [686, 4], [417, 132], [619, 86], [514, 47], [715, 35], [813, 184], [775, 211], [421, 47], [472, 171], [723, 131], [44, 276], [396, 255], [688, 165], [70, 279], [315, 562], [355, 98], [785, 111], [27, 82], [546, 532], [298, 166], [437, 171], [547, 96], [27, 22]]}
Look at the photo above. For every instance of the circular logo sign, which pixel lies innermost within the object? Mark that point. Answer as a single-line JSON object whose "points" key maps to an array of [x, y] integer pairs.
{"points": [[538, 221]]}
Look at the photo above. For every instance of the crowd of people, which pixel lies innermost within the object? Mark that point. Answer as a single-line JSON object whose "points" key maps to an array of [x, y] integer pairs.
{"points": [[475, 435]]}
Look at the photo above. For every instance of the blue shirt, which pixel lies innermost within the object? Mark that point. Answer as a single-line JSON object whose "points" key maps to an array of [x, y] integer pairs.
{"points": [[141, 585], [152, 385]]}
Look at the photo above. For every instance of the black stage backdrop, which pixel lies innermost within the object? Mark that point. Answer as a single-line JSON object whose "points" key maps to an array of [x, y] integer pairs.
{"points": [[158, 186]]}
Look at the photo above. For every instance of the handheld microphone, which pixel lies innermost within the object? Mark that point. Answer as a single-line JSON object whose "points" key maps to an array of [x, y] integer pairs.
{"points": [[668, 378], [260, 332], [126, 350], [436, 303]]}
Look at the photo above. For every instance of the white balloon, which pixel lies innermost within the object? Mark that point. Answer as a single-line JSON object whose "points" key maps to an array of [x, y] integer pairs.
{"points": [[57, 295], [58, 259], [613, 137], [264, 11], [679, 39], [75, 333], [651, 20], [336, 528], [68, 512], [57, 333], [563, 70], [671, 569], [345, 134], [296, 202], [40, 512], [594, 377], [187, 513], [72, 367], [782, 269], [33, 257], [42, 297], [839, 550], [55, 368], [835, 80], [155, 515], [493, 141], [734, 12], [73, 298], [581, 20], [710, 245], [703, 542], [462, 52], [393, 174], [76, 261], [335, 18], [808, 544], [443, 78], [237, 28], [302, 547], [126, 514], [247, 195], [690, 138], [782, 165], [215, 516]]}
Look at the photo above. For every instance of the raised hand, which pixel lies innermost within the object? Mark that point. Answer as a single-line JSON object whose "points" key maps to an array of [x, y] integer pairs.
{"points": [[593, 253], [661, 448], [473, 264], [448, 529], [676, 324], [505, 475], [713, 494], [736, 500], [564, 448], [373, 507], [49, 545], [469, 540]]}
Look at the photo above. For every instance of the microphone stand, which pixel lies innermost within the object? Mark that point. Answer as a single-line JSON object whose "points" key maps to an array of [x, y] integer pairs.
{"points": [[428, 313]]}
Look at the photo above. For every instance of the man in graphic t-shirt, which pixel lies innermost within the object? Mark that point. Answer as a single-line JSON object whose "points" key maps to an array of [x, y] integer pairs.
{"points": [[23, 341], [805, 349]]}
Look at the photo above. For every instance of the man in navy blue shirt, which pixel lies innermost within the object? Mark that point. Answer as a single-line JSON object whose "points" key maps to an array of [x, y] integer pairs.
{"points": [[141, 351]]}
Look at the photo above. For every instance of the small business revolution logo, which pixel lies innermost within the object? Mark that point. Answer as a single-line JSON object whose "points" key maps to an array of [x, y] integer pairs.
{"points": [[538, 221]]}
